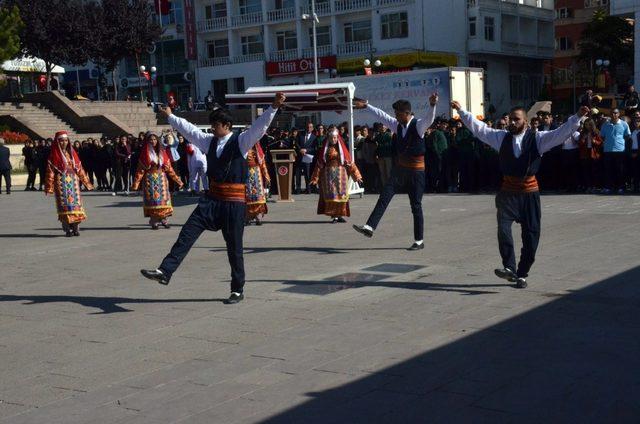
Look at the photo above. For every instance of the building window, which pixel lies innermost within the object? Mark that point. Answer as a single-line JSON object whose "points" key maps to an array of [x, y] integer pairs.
{"points": [[218, 48], [285, 4], [563, 13], [394, 25], [596, 3], [324, 36], [489, 28], [216, 10], [175, 15], [249, 6], [357, 31], [286, 40], [564, 43], [251, 44], [220, 88], [478, 64], [238, 84], [472, 26]]}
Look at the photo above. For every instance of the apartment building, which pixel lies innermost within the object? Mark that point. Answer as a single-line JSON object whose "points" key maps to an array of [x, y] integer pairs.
{"points": [[630, 9], [571, 19], [244, 43]]}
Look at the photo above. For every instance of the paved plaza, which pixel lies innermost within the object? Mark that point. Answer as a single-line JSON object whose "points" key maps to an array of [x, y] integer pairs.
{"points": [[335, 328]]}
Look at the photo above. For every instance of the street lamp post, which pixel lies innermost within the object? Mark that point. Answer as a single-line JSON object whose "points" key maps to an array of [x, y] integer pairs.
{"points": [[367, 64], [314, 21], [149, 77]]}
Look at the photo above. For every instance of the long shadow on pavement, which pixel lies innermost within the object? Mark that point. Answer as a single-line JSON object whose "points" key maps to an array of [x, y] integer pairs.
{"points": [[107, 305], [328, 286], [574, 359], [325, 250]]}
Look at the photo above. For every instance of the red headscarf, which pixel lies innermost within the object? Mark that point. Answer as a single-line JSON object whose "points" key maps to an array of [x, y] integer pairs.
{"points": [[345, 156], [150, 156], [58, 159]]}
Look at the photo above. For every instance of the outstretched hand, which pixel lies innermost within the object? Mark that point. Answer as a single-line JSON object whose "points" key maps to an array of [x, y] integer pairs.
{"points": [[433, 99], [360, 103], [278, 100], [456, 105], [583, 111], [165, 112]]}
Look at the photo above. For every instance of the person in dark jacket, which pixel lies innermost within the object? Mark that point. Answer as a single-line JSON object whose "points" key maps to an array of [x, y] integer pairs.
{"points": [[5, 166], [42, 151], [28, 151]]}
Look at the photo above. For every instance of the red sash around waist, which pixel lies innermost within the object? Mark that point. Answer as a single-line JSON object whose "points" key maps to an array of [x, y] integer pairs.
{"points": [[228, 192], [519, 184], [412, 162]]}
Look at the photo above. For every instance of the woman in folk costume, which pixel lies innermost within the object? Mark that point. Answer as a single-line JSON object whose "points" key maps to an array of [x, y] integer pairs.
{"points": [[64, 176], [153, 166], [258, 181], [333, 170]]}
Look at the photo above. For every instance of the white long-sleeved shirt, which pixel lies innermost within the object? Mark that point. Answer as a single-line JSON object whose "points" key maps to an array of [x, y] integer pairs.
{"points": [[392, 123], [247, 139], [545, 140]]}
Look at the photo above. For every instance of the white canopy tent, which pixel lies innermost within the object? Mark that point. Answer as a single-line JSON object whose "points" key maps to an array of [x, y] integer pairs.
{"points": [[29, 65], [337, 97]]}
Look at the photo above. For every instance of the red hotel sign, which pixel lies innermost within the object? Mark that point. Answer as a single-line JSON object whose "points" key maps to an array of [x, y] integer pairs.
{"points": [[299, 66]]}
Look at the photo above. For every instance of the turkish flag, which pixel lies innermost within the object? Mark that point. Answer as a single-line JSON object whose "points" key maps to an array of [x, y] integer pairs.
{"points": [[162, 7], [146, 75]]}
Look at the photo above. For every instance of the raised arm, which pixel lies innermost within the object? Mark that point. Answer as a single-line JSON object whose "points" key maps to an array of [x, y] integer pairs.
{"points": [[424, 123], [547, 140], [254, 133], [479, 129], [382, 116], [189, 131]]}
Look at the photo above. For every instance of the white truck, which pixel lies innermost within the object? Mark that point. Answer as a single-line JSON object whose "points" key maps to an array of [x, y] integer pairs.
{"points": [[465, 85]]}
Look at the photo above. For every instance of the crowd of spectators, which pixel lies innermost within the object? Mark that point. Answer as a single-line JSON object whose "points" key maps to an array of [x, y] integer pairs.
{"points": [[601, 157]]}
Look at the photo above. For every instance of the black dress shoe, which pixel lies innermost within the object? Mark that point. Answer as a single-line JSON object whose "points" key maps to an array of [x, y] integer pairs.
{"points": [[76, 233], [416, 246], [234, 298], [341, 219], [258, 222], [334, 220], [521, 283], [362, 230], [68, 234], [506, 274], [155, 274]]}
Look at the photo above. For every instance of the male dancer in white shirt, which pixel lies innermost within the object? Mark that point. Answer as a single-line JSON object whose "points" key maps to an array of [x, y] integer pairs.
{"points": [[518, 200], [224, 207], [408, 170]]}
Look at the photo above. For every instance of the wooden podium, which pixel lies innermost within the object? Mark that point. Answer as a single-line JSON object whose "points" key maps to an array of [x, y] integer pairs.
{"points": [[283, 161]]}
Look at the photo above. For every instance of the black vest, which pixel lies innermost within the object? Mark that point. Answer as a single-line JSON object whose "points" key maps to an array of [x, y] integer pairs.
{"points": [[527, 164], [231, 166], [410, 143]]}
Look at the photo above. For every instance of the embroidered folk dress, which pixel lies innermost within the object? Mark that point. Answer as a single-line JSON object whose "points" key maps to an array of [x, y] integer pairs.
{"points": [[333, 175], [64, 182], [155, 186], [258, 177]]}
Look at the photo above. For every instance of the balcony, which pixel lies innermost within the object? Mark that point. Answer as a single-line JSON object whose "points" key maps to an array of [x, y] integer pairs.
{"points": [[354, 48], [280, 15], [322, 9], [383, 3], [214, 61], [322, 51], [527, 50], [352, 5], [215, 24], [254, 57], [280, 55], [247, 19]]}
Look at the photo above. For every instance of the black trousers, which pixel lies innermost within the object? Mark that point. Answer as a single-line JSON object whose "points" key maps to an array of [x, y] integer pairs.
{"points": [[302, 169], [31, 178], [6, 174], [413, 183], [523, 208], [42, 173], [614, 170], [570, 165], [213, 215]]}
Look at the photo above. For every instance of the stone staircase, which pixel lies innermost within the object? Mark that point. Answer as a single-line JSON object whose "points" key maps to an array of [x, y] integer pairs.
{"points": [[137, 116], [38, 121]]}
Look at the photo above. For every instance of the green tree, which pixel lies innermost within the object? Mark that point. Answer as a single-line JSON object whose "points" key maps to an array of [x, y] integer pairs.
{"points": [[54, 31], [10, 27], [607, 37]]}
